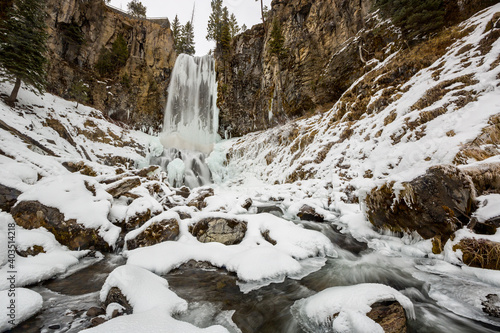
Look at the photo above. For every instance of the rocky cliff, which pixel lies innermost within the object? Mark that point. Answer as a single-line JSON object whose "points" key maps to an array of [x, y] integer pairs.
{"points": [[135, 93], [327, 45]]}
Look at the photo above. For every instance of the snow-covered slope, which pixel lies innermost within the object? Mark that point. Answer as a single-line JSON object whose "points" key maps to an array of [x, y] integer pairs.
{"points": [[44, 131]]}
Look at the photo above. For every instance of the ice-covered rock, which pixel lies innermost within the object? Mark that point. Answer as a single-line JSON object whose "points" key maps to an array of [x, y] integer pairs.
{"points": [[345, 309]]}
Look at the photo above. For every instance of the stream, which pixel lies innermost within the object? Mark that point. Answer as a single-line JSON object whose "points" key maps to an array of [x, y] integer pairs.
{"points": [[214, 294]]}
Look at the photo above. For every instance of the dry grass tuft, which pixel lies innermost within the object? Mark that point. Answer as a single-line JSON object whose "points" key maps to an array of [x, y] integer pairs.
{"points": [[480, 253]]}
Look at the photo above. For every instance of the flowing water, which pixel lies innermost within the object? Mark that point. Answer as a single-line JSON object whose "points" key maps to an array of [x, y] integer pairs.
{"points": [[215, 297]]}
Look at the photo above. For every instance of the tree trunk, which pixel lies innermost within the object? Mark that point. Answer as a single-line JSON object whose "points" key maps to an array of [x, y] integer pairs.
{"points": [[13, 96], [262, 14]]}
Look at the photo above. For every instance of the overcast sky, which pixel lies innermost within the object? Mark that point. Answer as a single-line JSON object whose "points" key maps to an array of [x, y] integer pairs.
{"points": [[246, 11]]}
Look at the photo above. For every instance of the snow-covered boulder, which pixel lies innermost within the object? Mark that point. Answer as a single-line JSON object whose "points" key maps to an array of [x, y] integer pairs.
{"points": [[73, 207], [435, 204], [148, 299], [27, 304], [161, 228], [198, 196], [227, 231], [346, 309]]}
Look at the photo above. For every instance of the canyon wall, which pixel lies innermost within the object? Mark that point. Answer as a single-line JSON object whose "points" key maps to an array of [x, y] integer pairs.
{"points": [[135, 92]]}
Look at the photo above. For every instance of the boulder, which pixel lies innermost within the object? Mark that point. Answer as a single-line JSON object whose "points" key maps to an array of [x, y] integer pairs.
{"points": [[183, 192], [219, 229], [491, 305], [308, 213], [486, 177], [197, 199], [390, 315], [33, 214], [156, 232], [83, 168], [95, 311], [480, 253], [31, 251], [123, 186], [115, 295], [247, 204], [8, 197], [435, 204]]}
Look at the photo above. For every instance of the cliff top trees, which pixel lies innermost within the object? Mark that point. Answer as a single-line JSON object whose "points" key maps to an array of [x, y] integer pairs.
{"points": [[183, 36], [136, 8], [23, 45], [222, 27]]}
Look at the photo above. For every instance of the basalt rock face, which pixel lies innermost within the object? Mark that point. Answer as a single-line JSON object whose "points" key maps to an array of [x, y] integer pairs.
{"points": [[320, 62], [134, 93]]}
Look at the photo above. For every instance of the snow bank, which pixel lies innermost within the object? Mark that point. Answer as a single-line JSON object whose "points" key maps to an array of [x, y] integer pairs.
{"points": [[27, 304], [351, 303], [69, 194], [43, 266], [153, 303]]}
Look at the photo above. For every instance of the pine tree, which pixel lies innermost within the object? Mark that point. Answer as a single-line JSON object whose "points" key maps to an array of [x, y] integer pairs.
{"points": [[79, 91], [233, 26], [23, 45], [176, 31], [137, 9], [214, 29], [225, 38], [244, 28], [188, 39], [416, 18], [277, 40]]}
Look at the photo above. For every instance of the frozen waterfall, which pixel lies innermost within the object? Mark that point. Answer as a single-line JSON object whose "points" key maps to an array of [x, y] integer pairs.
{"points": [[191, 121], [191, 116]]}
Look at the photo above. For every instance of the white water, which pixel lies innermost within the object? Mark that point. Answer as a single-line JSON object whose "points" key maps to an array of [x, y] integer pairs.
{"points": [[191, 115], [191, 121]]}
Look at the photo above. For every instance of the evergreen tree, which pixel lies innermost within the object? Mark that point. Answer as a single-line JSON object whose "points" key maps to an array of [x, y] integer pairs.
{"points": [[5, 6], [137, 9], [244, 28], [187, 42], [233, 26], [79, 91], [263, 13], [416, 18], [225, 38], [176, 31], [214, 29], [23, 45], [277, 40], [111, 60]]}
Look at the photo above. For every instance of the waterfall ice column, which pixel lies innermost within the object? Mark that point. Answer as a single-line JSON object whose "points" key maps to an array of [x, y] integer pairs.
{"points": [[191, 115]]}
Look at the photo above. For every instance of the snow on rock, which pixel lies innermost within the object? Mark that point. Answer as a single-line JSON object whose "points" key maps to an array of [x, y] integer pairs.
{"points": [[253, 259], [78, 197], [144, 290], [160, 228], [489, 207], [33, 269], [152, 301], [27, 303], [344, 309]]}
